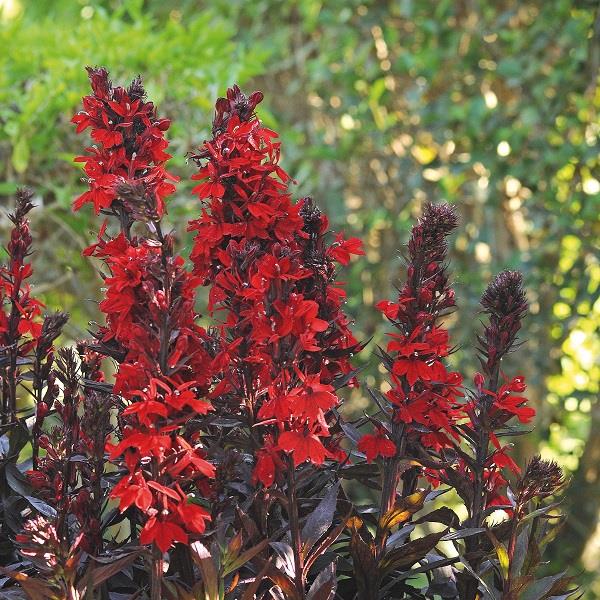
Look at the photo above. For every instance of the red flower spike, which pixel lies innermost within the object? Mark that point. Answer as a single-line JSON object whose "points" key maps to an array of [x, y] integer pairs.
{"points": [[130, 147], [165, 359], [424, 393], [272, 279]]}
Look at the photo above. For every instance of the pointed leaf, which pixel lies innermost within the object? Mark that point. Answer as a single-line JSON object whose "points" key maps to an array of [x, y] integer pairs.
{"points": [[35, 588], [16, 480], [286, 554], [243, 558], [324, 586], [406, 556], [208, 570], [404, 509], [320, 520], [324, 544], [463, 533], [41, 507]]}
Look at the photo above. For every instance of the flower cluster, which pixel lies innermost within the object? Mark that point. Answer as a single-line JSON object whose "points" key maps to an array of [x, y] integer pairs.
{"points": [[229, 426], [494, 404], [130, 145], [164, 368], [20, 323], [272, 277], [423, 393]]}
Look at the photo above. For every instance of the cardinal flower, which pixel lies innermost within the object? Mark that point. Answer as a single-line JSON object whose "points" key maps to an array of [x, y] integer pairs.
{"points": [[376, 444]]}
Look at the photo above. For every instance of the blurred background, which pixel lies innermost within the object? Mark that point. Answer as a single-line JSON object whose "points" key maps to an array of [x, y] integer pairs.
{"points": [[381, 105]]}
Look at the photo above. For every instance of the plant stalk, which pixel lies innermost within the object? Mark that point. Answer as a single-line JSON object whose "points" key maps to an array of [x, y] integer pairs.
{"points": [[295, 530]]}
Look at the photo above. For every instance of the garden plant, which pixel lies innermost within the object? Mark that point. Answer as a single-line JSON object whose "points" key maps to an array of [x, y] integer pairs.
{"points": [[185, 456]]}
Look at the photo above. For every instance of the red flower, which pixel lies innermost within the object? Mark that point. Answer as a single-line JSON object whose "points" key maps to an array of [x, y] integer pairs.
{"points": [[272, 276], [163, 533], [303, 447], [164, 358], [264, 470], [194, 516], [341, 249], [424, 393], [130, 148], [377, 444], [312, 399], [505, 402], [133, 490]]}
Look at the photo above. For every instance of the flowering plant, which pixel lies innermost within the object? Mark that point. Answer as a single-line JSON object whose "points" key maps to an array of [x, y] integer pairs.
{"points": [[166, 460]]}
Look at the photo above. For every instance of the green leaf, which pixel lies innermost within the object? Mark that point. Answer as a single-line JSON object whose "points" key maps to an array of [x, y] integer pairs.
{"points": [[20, 154]]}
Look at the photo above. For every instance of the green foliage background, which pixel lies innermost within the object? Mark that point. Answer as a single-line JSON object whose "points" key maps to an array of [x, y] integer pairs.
{"points": [[381, 105]]}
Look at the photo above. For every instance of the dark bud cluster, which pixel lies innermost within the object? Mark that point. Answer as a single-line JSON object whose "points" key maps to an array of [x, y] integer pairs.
{"points": [[429, 235], [505, 302], [505, 296], [311, 215], [136, 90], [100, 82], [542, 478], [20, 239]]}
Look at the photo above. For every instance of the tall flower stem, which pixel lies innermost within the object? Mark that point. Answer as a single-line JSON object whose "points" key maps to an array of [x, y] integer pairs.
{"points": [[420, 404], [151, 327], [156, 574], [295, 529], [505, 303], [22, 306], [391, 479]]}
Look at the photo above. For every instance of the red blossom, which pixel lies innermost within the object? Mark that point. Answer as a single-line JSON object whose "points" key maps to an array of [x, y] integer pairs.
{"points": [[131, 144], [272, 279], [484, 468], [165, 364], [163, 533], [376, 444], [20, 322], [304, 446], [424, 393]]}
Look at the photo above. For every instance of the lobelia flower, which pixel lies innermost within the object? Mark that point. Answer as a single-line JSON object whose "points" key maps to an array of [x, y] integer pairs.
{"points": [[494, 403], [28, 340], [481, 476], [20, 312], [377, 444], [130, 145], [164, 362], [163, 377], [272, 280], [423, 396]]}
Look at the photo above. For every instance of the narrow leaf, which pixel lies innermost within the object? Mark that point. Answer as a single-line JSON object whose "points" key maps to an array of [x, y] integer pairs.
{"points": [[320, 520], [324, 586]]}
